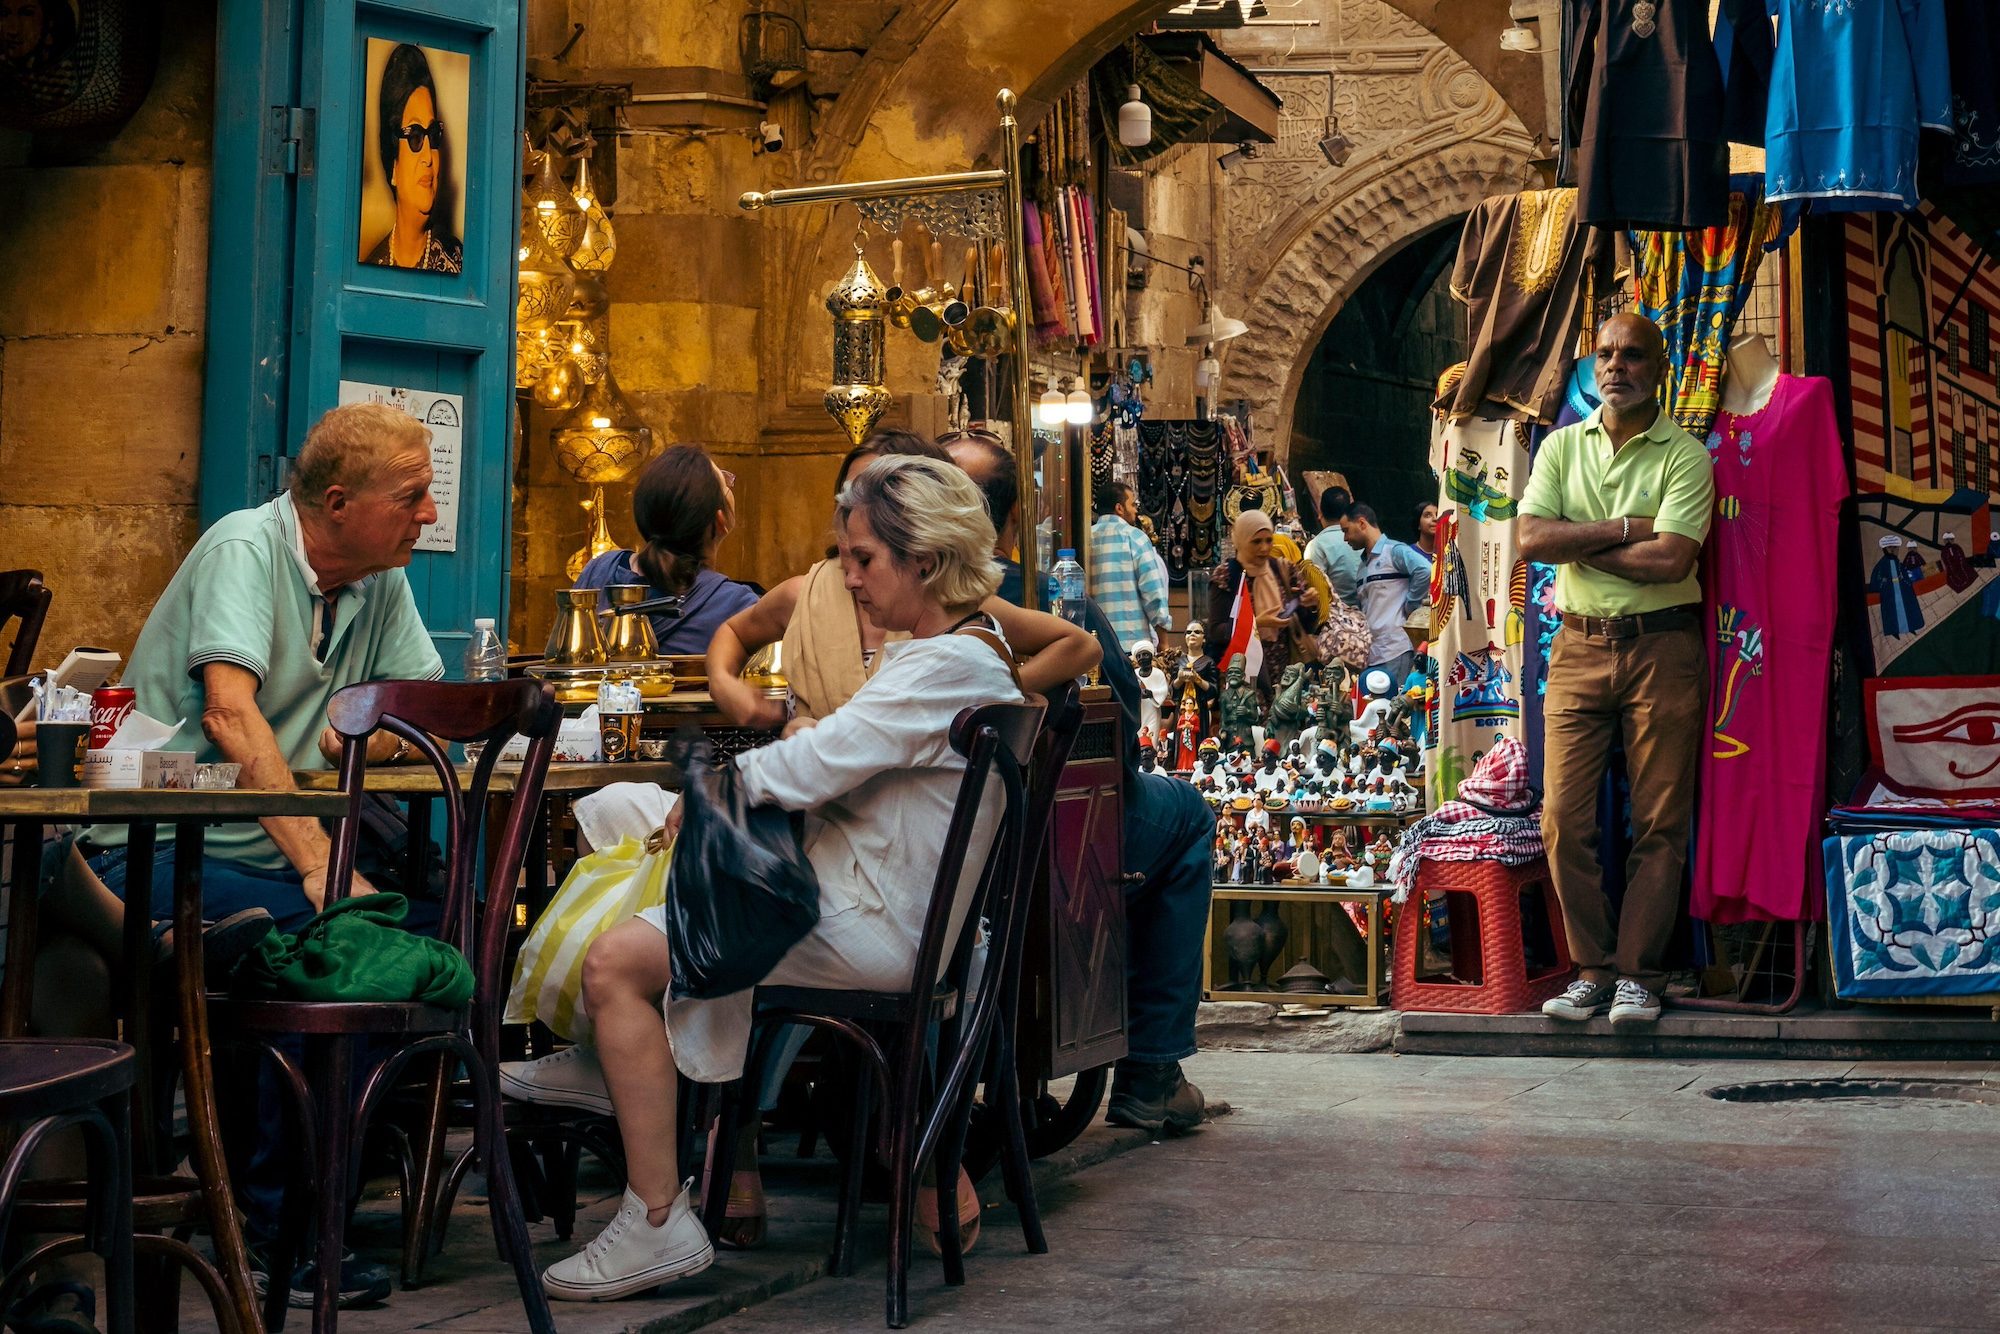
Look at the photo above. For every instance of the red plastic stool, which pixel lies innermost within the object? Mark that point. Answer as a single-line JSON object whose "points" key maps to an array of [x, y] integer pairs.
{"points": [[1483, 900]]}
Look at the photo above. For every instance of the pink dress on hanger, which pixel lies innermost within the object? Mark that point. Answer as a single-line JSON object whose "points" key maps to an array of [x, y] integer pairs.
{"points": [[1768, 584]]}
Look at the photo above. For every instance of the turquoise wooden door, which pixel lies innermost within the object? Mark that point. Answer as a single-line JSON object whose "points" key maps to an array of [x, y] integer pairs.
{"points": [[349, 134]]}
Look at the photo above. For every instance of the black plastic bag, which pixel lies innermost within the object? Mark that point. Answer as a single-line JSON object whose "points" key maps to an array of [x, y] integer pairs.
{"points": [[740, 892]]}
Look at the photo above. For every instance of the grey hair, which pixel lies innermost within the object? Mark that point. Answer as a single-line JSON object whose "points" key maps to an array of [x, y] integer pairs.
{"points": [[927, 512], [352, 446]]}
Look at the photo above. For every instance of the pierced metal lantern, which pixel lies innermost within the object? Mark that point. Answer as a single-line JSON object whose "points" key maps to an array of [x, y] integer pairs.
{"points": [[858, 396], [603, 439]]}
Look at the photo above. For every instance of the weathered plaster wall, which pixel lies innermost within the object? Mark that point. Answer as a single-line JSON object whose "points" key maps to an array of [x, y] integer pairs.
{"points": [[103, 293]]}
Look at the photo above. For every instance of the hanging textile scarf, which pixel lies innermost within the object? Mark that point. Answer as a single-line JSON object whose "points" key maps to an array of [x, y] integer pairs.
{"points": [[1694, 286], [1042, 294]]}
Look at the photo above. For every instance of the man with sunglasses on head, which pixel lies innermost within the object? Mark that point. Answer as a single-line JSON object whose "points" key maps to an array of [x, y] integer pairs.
{"points": [[410, 140]]}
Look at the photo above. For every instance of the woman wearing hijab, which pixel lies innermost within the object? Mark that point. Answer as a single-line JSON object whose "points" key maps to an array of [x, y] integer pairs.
{"points": [[1283, 602]]}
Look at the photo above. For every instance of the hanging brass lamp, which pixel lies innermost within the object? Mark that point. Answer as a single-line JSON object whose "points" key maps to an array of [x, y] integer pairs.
{"points": [[858, 396], [602, 439]]}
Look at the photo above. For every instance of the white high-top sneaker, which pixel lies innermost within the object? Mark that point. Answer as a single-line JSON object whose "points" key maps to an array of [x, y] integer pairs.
{"points": [[570, 1078], [631, 1255]]}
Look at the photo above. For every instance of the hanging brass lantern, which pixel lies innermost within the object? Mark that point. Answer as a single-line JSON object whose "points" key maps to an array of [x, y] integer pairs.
{"points": [[602, 439], [858, 396], [597, 245], [557, 215], [600, 537], [545, 279]]}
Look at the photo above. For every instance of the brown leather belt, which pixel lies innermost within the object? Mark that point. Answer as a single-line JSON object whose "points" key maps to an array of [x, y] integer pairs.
{"points": [[1685, 617]]}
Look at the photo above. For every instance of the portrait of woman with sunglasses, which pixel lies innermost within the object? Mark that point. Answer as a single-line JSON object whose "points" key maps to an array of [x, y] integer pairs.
{"points": [[412, 139]]}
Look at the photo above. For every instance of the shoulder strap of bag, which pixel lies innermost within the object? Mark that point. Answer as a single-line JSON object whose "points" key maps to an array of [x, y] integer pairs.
{"points": [[989, 634]]}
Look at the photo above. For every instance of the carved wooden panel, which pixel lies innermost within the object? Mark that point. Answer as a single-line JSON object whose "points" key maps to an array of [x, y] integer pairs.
{"points": [[1078, 951]]}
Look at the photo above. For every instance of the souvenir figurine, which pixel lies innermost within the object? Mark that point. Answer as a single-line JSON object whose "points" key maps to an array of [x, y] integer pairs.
{"points": [[1196, 680], [1188, 734], [1152, 688], [1207, 774], [1326, 762], [1148, 757], [1267, 778], [1305, 865], [1288, 708], [1239, 709], [1363, 874]]}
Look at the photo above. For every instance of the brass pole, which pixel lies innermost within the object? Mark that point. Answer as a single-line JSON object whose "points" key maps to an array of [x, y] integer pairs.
{"points": [[1024, 420], [900, 187]]}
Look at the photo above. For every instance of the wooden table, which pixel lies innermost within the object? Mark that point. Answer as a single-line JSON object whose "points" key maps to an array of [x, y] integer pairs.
{"points": [[144, 810], [420, 780]]}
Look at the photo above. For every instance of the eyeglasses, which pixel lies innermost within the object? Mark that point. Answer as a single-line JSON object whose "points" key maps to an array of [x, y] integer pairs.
{"points": [[414, 136]]}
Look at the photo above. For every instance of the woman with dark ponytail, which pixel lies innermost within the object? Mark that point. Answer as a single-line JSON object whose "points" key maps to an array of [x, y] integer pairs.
{"points": [[684, 507]]}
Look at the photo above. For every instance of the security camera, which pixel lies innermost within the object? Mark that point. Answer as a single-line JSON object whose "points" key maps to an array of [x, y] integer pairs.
{"points": [[773, 135], [1243, 152]]}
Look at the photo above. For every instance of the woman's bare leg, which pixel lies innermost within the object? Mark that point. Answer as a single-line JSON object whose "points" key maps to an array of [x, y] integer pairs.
{"points": [[625, 976], [81, 903]]}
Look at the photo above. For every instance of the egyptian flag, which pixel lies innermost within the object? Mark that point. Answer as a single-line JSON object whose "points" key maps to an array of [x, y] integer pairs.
{"points": [[1243, 637]]}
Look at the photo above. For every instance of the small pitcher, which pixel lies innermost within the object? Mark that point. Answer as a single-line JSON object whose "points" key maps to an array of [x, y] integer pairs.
{"points": [[631, 637], [575, 641]]}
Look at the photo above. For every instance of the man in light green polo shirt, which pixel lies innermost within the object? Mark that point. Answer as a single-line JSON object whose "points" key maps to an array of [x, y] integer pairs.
{"points": [[1621, 502]]}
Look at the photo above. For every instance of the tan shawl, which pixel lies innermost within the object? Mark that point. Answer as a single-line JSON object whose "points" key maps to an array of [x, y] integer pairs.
{"points": [[822, 653]]}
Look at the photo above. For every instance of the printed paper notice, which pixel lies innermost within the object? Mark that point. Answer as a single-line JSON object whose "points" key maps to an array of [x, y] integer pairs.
{"points": [[444, 414]]}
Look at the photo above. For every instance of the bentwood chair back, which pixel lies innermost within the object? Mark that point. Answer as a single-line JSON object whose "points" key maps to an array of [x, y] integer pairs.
{"points": [[424, 713], [924, 1106], [24, 598]]}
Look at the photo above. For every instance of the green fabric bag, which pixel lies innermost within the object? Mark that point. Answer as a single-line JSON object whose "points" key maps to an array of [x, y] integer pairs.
{"points": [[357, 950]]}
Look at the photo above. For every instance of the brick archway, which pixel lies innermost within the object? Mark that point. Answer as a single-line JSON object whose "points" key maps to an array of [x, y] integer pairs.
{"points": [[1298, 295]]}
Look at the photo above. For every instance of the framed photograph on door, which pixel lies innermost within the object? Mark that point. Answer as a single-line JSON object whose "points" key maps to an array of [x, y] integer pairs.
{"points": [[416, 121]]}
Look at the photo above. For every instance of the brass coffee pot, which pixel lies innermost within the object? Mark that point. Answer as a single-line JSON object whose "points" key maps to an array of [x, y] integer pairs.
{"points": [[575, 641], [631, 638]]}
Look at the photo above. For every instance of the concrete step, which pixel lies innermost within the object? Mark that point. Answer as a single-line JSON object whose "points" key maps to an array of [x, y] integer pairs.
{"points": [[1810, 1032]]}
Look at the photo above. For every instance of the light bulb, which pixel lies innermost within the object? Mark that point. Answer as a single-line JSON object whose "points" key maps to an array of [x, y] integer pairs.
{"points": [[1135, 120], [1206, 372], [1079, 408], [1052, 409]]}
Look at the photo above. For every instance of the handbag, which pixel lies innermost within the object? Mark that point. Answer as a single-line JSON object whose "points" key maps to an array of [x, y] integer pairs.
{"points": [[603, 889], [1344, 636], [740, 891]]}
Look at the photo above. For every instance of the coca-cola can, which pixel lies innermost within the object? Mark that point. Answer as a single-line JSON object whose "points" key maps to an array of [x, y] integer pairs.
{"points": [[109, 706]]}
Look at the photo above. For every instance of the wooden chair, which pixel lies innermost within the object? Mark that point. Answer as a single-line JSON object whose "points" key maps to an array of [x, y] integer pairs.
{"points": [[23, 597], [52, 1084], [924, 1117], [333, 1124]]}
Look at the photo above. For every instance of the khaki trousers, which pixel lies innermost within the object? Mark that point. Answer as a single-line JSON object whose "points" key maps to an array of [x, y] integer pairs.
{"points": [[1649, 691]]}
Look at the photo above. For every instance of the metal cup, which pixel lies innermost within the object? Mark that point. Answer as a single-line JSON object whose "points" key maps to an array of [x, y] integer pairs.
{"points": [[618, 734], [57, 746]]}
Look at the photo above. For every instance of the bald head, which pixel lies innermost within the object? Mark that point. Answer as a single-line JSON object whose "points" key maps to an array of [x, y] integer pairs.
{"points": [[990, 465], [1631, 362]]}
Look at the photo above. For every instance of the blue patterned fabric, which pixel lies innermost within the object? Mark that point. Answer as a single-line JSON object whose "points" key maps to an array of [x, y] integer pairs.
{"points": [[1915, 912], [1126, 581]]}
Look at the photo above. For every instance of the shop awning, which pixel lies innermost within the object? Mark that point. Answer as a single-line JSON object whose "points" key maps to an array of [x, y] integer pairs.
{"points": [[1197, 93]]}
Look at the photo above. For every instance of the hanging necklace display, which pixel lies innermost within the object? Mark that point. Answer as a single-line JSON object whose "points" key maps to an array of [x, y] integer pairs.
{"points": [[1177, 515], [858, 396], [1204, 478]]}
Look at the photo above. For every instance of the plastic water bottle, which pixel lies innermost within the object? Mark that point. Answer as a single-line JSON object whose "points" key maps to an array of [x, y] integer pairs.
{"points": [[1070, 594], [486, 654]]}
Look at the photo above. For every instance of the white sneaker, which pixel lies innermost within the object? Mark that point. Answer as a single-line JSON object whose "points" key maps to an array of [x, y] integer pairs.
{"points": [[570, 1078], [1580, 1002], [631, 1255], [1635, 1006]]}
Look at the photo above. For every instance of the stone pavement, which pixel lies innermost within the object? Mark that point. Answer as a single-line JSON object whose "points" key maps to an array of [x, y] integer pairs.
{"points": [[1381, 1192]]}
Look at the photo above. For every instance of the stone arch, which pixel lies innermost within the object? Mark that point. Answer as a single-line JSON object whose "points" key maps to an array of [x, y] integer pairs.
{"points": [[1299, 294]]}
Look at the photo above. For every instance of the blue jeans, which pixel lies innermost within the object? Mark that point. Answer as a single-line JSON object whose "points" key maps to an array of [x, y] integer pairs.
{"points": [[1170, 840], [226, 887]]}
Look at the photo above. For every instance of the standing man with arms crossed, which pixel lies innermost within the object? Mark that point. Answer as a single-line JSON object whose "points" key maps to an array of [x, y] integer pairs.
{"points": [[1395, 581], [1621, 501]]}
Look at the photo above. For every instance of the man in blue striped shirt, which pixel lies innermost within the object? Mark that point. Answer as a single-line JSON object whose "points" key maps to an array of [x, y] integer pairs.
{"points": [[1127, 579]]}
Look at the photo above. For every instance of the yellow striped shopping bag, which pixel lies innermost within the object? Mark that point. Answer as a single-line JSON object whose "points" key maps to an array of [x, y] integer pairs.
{"points": [[604, 888]]}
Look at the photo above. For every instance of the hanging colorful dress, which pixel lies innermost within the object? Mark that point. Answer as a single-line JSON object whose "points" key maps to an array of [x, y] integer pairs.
{"points": [[1768, 591], [1479, 595], [1694, 285]]}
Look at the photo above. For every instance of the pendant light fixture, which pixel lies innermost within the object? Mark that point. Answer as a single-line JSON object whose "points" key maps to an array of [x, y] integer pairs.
{"points": [[1135, 120], [1052, 408], [1079, 407]]}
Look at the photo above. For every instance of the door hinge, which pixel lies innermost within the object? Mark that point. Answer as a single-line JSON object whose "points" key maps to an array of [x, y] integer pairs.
{"points": [[290, 145]]}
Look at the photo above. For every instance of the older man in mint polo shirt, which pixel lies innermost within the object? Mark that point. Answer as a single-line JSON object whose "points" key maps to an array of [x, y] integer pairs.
{"points": [[275, 610], [1621, 501]]}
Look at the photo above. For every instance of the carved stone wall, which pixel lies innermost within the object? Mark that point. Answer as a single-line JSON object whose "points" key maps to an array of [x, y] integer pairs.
{"points": [[1431, 137]]}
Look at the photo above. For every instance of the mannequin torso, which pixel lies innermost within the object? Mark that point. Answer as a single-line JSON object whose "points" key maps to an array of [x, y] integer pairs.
{"points": [[1751, 375]]}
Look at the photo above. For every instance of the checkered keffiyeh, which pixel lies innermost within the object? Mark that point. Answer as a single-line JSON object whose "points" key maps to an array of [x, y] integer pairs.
{"points": [[1496, 818]]}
